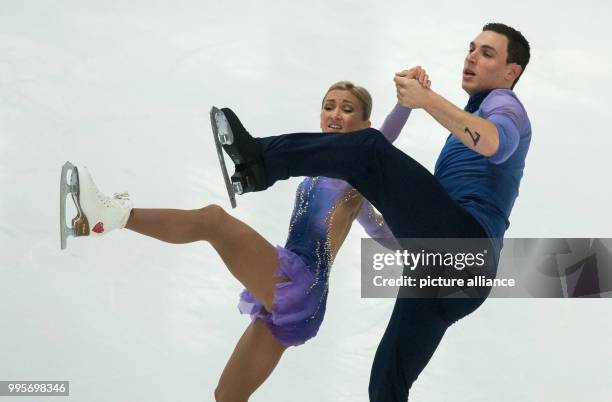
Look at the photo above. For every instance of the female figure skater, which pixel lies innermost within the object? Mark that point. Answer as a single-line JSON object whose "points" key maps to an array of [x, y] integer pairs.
{"points": [[286, 287]]}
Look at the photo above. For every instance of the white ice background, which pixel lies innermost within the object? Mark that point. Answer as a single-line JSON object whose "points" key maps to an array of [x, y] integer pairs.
{"points": [[125, 88]]}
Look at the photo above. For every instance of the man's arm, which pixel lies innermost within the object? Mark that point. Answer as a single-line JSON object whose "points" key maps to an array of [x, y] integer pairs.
{"points": [[476, 133], [473, 131]]}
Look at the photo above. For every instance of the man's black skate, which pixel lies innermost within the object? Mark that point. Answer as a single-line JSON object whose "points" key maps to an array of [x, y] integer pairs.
{"points": [[244, 151]]}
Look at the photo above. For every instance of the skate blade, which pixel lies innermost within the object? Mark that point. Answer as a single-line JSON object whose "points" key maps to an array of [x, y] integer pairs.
{"points": [[79, 226], [221, 132], [224, 131]]}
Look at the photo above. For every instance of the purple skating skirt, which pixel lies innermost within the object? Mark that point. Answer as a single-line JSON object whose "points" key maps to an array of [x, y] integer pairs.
{"points": [[299, 303]]}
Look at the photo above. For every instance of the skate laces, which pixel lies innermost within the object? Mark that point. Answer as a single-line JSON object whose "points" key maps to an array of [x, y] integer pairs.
{"points": [[122, 196], [123, 199], [108, 201]]}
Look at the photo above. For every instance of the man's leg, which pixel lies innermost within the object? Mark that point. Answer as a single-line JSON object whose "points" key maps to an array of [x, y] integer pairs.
{"points": [[410, 198], [415, 330], [400, 188], [413, 333]]}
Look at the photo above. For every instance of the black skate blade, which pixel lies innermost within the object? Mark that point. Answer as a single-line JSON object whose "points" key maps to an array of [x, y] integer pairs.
{"points": [[228, 184]]}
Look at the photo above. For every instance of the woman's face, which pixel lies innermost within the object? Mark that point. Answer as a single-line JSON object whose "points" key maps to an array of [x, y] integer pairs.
{"points": [[342, 112]]}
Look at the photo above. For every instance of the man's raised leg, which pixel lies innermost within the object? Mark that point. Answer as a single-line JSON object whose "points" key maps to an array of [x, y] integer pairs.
{"points": [[410, 198]]}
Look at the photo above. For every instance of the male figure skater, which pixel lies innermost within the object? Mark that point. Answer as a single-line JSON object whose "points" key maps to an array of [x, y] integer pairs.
{"points": [[470, 194]]}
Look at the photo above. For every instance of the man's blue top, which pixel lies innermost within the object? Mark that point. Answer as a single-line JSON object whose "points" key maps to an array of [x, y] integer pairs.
{"points": [[487, 186]]}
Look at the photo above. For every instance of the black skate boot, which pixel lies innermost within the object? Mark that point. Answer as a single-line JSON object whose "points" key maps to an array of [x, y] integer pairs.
{"points": [[242, 148]]}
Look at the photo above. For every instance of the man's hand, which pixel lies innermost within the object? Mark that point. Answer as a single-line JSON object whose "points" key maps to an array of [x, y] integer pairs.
{"points": [[413, 87], [418, 73]]}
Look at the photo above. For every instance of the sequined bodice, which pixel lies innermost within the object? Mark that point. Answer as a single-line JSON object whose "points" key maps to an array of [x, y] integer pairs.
{"points": [[321, 219], [312, 221]]}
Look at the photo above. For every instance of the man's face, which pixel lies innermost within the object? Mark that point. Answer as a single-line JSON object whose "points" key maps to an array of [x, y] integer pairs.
{"points": [[485, 66]]}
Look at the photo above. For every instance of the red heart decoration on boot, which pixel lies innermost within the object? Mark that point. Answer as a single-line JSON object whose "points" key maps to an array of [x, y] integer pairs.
{"points": [[99, 228]]}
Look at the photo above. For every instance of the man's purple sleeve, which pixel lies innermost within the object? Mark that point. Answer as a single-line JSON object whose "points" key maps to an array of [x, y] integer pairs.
{"points": [[503, 109]]}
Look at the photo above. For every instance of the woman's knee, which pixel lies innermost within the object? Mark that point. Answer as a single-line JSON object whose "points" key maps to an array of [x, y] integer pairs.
{"points": [[211, 215]]}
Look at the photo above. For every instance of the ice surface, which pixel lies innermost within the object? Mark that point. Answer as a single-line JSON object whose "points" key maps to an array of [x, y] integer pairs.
{"points": [[125, 88]]}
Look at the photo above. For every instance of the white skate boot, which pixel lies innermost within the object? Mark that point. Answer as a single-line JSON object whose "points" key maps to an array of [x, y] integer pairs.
{"points": [[97, 213]]}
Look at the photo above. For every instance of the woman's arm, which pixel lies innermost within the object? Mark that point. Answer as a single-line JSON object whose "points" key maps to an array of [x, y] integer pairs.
{"points": [[394, 122], [376, 227]]}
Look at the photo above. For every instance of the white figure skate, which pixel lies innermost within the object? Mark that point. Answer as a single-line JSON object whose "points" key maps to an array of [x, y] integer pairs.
{"points": [[97, 213]]}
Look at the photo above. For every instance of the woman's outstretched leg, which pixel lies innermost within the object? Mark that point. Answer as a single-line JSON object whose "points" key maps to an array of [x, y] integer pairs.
{"points": [[248, 256], [251, 363]]}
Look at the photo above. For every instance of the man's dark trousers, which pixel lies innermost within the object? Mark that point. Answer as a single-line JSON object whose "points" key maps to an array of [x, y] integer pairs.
{"points": [[413, 204]]}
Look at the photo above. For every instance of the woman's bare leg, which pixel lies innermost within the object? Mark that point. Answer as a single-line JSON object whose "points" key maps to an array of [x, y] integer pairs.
{"points": [[255, 356], [248, 256]]}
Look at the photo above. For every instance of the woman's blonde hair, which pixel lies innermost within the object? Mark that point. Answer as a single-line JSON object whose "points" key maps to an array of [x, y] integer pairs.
{"points": [[358, 92]]}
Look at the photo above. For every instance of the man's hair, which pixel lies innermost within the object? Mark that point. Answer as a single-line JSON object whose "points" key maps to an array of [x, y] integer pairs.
{"points": [[360, 93], [518, 47]]}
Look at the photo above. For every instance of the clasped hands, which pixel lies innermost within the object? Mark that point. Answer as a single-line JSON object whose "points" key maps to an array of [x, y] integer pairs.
{"points": [[413, 87]]}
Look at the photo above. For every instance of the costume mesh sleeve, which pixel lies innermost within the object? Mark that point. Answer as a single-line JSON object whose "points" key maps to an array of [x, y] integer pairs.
{"points": [[376, 227], [394, 122]]}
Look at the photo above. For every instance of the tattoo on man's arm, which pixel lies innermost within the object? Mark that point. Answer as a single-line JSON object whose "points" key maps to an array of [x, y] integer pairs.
{"points": [[475, 136]]}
